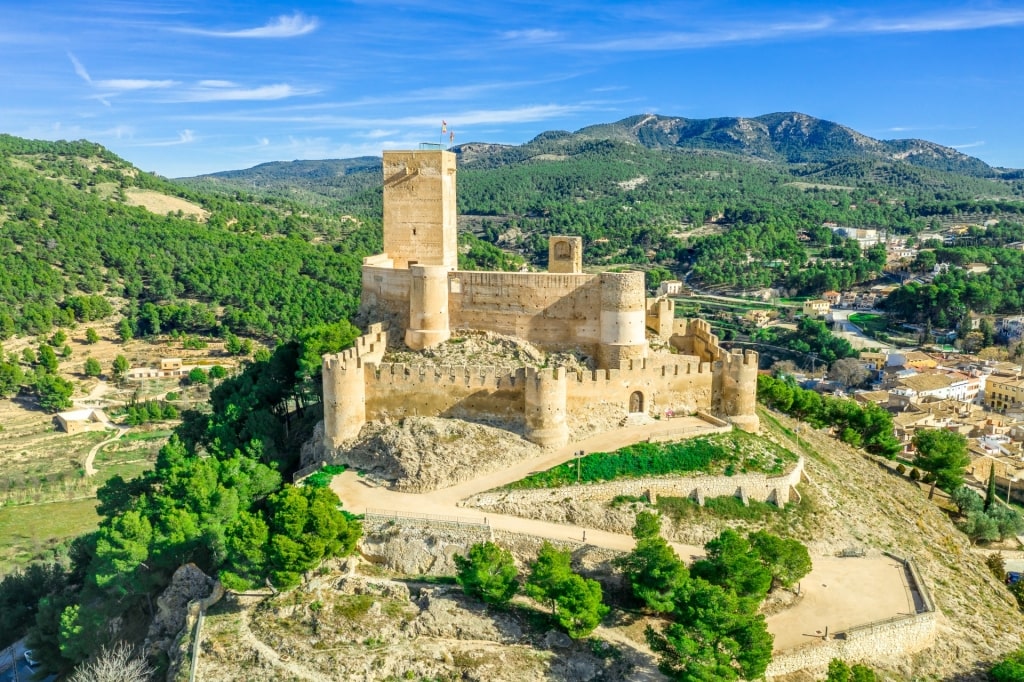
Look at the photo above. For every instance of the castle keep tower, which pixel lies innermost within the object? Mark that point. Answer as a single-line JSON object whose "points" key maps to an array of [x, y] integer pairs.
{"points": [[419, 208], [545, 407]]}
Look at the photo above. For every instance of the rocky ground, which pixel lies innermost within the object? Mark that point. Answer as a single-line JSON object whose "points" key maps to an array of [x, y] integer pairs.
{"points": [[380, 628], [353, 627]]}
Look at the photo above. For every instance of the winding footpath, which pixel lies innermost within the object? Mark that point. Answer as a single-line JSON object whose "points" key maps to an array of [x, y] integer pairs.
{"points": [[358, 495]]}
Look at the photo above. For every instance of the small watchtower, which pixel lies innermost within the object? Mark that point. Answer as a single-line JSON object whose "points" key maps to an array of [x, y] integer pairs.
{"points": [[565, 254]]}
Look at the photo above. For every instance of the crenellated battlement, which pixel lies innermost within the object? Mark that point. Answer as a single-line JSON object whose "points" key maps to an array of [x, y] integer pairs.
{"points": [[415, 286], [470, 376]]}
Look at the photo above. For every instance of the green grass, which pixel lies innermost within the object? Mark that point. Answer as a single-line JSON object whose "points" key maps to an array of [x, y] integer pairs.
{"points": [[147, 435], [870, 323], [683, 508], [322, 478], [36, 532], [720, 454]]}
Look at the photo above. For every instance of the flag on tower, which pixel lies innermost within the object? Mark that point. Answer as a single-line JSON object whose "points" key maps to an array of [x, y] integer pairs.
{"points": [[451, 137], [444, 126]]}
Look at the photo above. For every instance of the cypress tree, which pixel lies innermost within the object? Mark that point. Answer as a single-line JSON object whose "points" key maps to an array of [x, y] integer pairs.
{"points": [[990, 494]]}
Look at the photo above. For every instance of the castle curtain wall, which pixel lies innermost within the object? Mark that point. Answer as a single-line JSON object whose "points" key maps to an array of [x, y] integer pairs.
{"points": [[549, 310]]}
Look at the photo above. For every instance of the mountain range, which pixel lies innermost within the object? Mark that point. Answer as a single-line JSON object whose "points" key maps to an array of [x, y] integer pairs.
{"points": [[789, 138]]}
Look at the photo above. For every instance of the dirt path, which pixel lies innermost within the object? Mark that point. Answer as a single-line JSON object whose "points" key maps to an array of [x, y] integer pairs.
{"points": [[249, 639], [359, 495], [90, 470]]}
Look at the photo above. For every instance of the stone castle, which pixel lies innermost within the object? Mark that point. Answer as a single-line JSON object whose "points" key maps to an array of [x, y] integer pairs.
{"points": [[416, 292]]}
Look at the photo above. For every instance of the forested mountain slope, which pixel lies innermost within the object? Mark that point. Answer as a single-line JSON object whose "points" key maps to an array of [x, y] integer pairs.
{"points": [[739, 202], [68, 234]]}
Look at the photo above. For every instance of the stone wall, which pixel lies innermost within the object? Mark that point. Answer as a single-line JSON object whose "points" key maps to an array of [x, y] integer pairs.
{"points": [[868, 644], [871, 642], [553, 311], [759, 487]]}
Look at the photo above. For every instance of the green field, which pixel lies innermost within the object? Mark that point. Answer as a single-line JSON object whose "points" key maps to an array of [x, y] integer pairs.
{"points": [[36, 532], [871, 324]]}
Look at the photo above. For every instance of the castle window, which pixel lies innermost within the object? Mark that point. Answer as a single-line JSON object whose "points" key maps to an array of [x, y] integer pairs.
{"points": [[636, 402]]}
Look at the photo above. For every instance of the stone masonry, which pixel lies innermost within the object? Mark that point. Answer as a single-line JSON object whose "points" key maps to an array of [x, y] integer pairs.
{"points": [[415, 290]]}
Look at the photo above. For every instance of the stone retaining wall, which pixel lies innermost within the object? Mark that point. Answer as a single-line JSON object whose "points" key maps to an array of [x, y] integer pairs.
{"points": [[760, 487], [871, 642], [866, 644]]}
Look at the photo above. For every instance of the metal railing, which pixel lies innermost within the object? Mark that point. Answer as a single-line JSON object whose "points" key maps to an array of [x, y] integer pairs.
{"points": [[434, 519]]}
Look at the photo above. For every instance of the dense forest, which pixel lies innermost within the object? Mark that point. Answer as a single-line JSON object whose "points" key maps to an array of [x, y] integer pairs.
{"points": [[264, 268]]}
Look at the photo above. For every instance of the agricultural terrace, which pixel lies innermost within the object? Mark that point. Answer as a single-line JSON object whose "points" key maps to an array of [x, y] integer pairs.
{"points": [[723, 454]]}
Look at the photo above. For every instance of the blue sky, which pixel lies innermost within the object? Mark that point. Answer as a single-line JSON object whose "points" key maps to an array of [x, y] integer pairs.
{"points": [[183, 87]]}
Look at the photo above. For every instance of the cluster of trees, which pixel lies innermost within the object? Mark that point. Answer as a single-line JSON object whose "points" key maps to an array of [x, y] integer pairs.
{"points": [[214, 498], [986, 519], [868, 426], [67, 245], [488, 572], [35, 373], [946, 300], [810, 337], [1010, 669], [149, 411], [714, 630]]}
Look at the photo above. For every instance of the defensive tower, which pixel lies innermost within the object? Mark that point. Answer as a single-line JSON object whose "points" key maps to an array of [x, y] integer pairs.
{"points": [[419, 208]]}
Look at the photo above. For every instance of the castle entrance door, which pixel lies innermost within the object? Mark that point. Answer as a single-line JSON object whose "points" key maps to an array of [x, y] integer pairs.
{"points": [[636, 402]]}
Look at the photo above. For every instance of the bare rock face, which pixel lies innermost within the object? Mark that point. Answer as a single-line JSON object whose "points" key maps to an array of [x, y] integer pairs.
{"points": [[417, 551], [426, 453], [187, 584]]}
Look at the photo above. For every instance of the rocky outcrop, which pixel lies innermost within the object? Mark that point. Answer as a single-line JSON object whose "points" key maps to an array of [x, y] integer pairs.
{"points": [[427, 453], [177, 609]]}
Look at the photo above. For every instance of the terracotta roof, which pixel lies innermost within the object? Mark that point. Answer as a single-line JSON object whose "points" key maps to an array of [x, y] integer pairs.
{"points": [[927, 382]]}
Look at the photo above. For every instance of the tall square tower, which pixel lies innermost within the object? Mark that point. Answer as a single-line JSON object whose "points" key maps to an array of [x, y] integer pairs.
{"points": [[420, 208]]}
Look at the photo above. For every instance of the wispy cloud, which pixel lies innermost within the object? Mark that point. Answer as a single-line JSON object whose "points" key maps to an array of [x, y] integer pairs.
{"points": [[967, 20], [979, 143], [283, 26], [229, 92], [456, 120], [109, 88], [531, 35], [822, 25]]}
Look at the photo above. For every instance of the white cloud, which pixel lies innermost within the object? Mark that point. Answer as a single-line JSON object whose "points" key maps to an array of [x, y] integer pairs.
{"points": [[217, 84], [133, 84], [824, 24], [184, 137], [456, 120], [236, 94], [379, 133], [79, 69], [953, 21], [531, 35], [282, 27], [968, 145]]}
